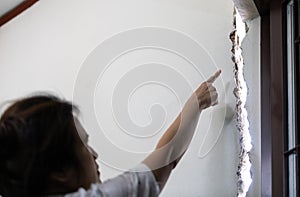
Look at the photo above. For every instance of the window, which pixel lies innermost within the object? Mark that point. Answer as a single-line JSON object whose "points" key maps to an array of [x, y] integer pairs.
{"points": [[280, 38], [291, 153]]}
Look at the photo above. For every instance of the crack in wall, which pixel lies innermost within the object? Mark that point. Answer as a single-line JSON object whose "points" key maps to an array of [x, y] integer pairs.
{"points": [[240, 92]]}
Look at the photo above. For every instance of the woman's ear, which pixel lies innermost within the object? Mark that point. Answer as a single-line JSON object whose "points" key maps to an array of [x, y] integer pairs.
{"points": [[58, 176], [62, 181], [65, 177]]}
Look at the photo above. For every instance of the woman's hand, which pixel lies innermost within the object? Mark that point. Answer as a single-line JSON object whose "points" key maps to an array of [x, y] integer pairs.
{"points": [[207, 94], [175, 141]]}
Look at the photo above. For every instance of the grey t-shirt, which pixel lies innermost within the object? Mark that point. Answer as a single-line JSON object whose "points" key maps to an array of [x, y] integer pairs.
{"points": [[137, 182]]}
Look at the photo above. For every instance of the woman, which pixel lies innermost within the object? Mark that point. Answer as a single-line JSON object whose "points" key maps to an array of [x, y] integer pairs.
{"points": [[44, 150]]}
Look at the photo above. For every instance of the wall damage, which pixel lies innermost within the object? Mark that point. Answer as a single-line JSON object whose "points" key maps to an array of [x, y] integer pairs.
{"points": [[240, 92]]}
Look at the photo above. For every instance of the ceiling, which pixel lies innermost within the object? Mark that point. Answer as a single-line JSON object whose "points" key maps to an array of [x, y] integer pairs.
{"points": [[7, 5], [246, 8]]}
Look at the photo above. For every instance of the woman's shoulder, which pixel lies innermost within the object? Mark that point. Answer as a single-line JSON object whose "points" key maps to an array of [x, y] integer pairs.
{"points": [[138, 181]]}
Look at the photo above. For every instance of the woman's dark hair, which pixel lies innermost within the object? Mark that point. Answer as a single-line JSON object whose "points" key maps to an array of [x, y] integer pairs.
{"points": [[37, 137]]}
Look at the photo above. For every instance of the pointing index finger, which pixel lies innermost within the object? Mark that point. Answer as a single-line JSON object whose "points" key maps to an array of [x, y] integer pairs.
{"points": [[214, 77]]}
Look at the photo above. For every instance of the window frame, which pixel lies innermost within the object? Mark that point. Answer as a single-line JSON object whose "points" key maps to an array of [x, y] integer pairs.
{"points": [[274, 115]]}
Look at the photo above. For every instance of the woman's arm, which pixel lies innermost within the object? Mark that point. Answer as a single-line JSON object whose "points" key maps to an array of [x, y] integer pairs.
{"points": [[178, 136]]}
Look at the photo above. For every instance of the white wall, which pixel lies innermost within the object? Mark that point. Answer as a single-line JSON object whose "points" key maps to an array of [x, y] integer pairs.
{"points": [[45, 47], [251, 54]]}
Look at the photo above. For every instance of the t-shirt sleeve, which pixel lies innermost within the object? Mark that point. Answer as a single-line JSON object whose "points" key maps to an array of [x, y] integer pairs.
{"points": [[137, 182]]}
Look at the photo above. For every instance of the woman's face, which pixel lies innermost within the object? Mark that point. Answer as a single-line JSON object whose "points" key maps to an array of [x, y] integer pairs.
{"points": [[87, 157]]}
